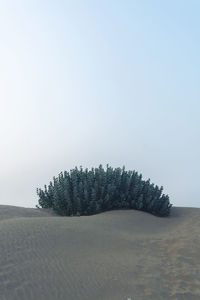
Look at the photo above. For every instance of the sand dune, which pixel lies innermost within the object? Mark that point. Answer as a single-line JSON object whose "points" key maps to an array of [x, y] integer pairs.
{"points": [[111, 256]]}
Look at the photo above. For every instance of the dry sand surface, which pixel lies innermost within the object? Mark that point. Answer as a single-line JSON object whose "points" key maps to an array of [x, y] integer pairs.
{"points": [[116, 255]]}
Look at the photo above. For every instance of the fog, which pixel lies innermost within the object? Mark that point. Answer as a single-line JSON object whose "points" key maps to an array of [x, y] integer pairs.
{"points": [[97, 82]]}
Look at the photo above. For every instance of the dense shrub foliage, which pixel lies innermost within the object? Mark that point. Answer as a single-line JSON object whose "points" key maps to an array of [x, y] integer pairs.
{"points": [[87, 192]]}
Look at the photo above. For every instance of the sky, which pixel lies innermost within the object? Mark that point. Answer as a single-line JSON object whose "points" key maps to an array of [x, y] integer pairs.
{"points": [[84, 83]]}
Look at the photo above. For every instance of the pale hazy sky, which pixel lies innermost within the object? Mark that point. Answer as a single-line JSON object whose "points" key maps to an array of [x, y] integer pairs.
{"points": [[90, 82]]}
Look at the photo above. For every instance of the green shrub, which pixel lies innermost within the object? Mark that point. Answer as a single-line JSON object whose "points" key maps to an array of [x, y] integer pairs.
{"points": [[88, 192]]}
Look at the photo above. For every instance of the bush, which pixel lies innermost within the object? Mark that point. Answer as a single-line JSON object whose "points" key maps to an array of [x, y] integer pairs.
{"points": [[88, 192]]}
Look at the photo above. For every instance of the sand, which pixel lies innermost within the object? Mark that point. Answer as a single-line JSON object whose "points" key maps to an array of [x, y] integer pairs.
{"points": [[116, 255]]}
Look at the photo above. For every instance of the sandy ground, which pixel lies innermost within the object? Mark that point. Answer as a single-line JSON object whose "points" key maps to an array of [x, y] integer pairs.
{"points": [[117, 255]]}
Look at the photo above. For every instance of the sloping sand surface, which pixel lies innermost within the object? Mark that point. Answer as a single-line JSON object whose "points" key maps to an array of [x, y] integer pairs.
{"points": [[115, 255]]}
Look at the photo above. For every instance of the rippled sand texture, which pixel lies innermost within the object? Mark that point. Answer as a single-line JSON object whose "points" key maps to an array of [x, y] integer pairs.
{"points": [[111, 256]]}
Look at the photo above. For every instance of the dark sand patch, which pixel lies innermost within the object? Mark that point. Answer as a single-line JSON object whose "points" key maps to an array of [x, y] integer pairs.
{"points": [[115, 255]]}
